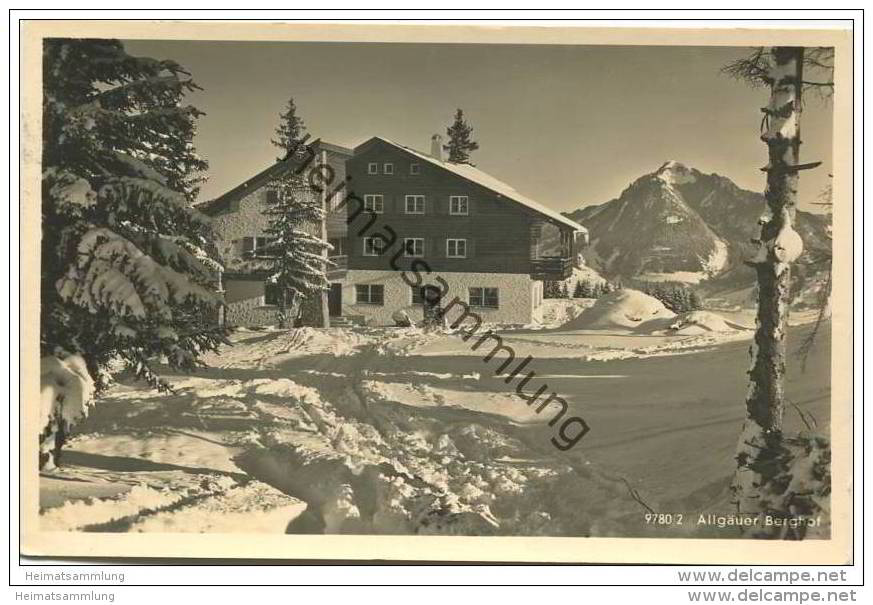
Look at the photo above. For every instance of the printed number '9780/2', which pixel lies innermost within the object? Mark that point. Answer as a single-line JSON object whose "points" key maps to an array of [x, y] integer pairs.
{"points": [[663, 518]]}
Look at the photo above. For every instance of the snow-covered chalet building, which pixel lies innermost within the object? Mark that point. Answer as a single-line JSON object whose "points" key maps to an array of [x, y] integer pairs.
{"points": [[409, 230]]}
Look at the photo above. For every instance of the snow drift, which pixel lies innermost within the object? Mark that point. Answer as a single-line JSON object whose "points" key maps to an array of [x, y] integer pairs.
{"points": [[558, 311], [325, 452], [622, 310], [701, 322]]}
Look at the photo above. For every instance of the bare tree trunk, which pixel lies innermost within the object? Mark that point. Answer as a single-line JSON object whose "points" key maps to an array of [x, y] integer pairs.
{"points": [[760, 446], [283, 311], [315, 311]]}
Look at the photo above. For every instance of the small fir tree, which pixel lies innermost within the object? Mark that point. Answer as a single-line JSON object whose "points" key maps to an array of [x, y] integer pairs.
{"points": [[461, 143], [550, 289], [291, 132], [673, 298], [579, 290], [295, 251]]}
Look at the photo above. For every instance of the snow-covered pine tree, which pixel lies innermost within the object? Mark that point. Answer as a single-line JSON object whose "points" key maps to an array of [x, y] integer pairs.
{"points": [[679, 298], [579, 290], [291, 132], [296, 250], [461, 143], [297, 232], [549, 288], [127, 264]]}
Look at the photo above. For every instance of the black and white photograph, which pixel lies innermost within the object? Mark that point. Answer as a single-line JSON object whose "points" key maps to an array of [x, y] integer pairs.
{"points": [[293, 287]]}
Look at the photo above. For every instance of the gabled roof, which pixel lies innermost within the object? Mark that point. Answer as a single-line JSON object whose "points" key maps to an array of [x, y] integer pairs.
{"points": [[254, 183], [473, 174]]}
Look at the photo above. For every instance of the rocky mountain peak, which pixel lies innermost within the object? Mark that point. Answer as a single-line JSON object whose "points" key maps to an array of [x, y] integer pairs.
{"points": [[675, 173], [680, 224]]}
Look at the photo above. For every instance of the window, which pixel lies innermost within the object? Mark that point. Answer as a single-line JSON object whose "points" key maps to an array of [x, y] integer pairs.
{"points": [[414, 168], [339, 246], [413, 246], [254, 246], [484, 297], [262, 242], [459, 204], [248, 244], [425, 294], [370, 294], [374, 246], [388, 168], [373, 168], [414, 204], [374, 203], [272, 295], [456, 248]]}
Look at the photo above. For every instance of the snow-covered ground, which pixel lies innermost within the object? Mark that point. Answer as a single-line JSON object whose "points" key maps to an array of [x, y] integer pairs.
{"points": [[394, 430], [558, 311]]}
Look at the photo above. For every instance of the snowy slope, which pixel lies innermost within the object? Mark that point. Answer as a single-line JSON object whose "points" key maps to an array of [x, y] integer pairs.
{"points": [[326, 431], [392, 431]]}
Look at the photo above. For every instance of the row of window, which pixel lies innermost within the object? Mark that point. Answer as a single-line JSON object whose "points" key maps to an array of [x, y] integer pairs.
{"points": [[414, 246], [374, 294], [373, 246], [459, 205], [252, 246], [388, 168]]}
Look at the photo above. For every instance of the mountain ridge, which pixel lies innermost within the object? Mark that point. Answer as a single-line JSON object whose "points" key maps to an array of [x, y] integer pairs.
{"points": [[680, 224]]}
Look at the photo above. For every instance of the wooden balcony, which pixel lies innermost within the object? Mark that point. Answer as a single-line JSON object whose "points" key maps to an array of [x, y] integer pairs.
{"points": [[551, 268]]}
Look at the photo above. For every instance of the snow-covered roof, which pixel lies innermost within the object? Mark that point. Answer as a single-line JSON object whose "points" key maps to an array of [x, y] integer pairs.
{"points": [[484, 179]]}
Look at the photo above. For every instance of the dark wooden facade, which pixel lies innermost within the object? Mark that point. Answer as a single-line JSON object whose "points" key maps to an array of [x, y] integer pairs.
{"points": [[503, 236]]}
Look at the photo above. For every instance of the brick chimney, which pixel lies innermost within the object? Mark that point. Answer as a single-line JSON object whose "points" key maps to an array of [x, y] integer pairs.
{"points": [[436, 147]]}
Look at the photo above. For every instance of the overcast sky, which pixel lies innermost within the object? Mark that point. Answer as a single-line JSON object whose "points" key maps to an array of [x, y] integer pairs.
{"points": [[566, 125]]}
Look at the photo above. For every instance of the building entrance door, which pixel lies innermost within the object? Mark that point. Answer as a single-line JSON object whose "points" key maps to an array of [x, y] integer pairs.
{"points": [[431, 297], [335, 300]]}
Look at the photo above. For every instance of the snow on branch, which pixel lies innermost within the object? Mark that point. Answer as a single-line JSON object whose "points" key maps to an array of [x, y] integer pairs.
{"points": [[66, 394]]}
